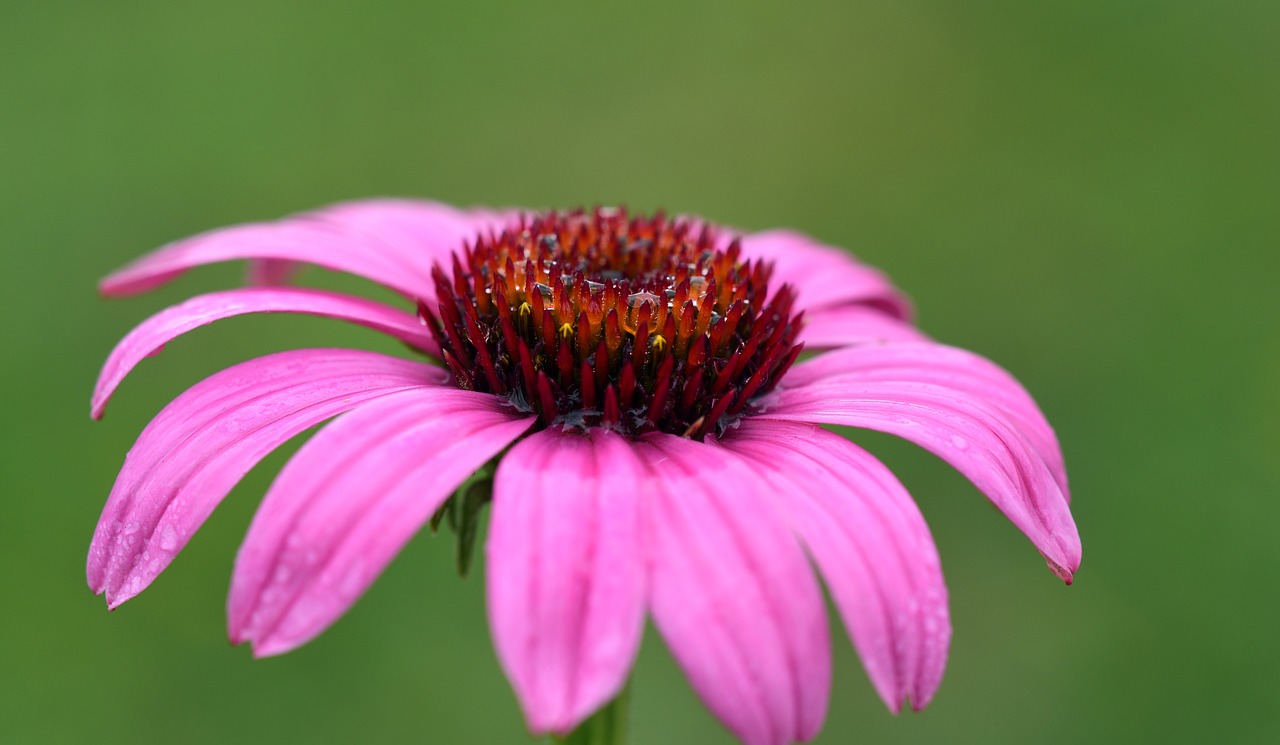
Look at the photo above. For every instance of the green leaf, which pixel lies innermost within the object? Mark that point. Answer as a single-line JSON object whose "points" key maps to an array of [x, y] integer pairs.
{"points": [[462, 511], [469, 503]]}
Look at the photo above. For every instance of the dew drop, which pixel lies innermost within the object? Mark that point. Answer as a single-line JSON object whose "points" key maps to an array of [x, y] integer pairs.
{"points": [[168, 538], [352, 579], [635, 302]]}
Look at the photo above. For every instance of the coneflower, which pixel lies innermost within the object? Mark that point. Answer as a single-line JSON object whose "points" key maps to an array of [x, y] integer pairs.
{"points": [[629, 393]]}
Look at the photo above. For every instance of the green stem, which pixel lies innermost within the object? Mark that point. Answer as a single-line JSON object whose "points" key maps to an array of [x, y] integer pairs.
{"points": [[608, 726]]}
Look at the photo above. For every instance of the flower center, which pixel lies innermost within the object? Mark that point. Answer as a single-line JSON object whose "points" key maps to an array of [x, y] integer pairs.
{"points": [[599, 319]]}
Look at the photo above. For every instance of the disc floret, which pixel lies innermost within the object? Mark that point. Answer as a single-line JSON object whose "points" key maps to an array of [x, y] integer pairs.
{"points": [[598, 318]]}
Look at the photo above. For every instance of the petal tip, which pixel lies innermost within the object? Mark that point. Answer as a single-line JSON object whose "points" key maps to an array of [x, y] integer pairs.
{"points": [[237, 634], [919, 701], [122, 591], [115, 285], [544, 726], [93, 576], [265, 648], [1062, 572]]}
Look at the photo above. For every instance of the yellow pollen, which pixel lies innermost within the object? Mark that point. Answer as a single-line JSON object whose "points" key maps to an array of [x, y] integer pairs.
{"points": [[693, 428], [600, 319], [523, 314]]}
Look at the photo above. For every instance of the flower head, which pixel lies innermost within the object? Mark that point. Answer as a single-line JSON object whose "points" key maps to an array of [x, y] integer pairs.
{"points": [[598, 320], [659, 449]]}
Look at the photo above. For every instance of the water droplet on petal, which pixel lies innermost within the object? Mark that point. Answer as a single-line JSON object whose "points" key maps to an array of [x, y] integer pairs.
{"points": [[168, 538]]}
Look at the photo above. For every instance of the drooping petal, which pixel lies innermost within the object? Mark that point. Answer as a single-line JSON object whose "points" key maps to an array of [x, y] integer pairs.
{"points": [[392, 242], [150, 337], [948, 366], [872, 545], [204, 441], [823, 276], [566, 572], [349, 501], [976, 437], [733, 594], [846, 325], [270, 272]]}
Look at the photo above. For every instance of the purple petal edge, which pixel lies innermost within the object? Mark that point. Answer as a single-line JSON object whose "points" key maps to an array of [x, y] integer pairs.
{"points": [[824, 276], [566, 573], [393, 242], [195, 450], [976, 438], [870, 543], [733, 594], [829, 328], [149, 337], [929, 362], [348, 502]]}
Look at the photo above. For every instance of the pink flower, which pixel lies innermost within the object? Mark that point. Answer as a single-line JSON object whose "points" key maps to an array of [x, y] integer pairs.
{"points": [[658, 451]]}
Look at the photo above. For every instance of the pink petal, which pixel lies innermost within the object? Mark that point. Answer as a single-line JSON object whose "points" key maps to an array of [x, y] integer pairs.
{"points": [[854, 324], [393, 242], [976, 437], [270, 272], [347, 503], [151, 336], [942, 365], [566, 580], [872, 545], [202, 443], [732, 593], [823, 276]]}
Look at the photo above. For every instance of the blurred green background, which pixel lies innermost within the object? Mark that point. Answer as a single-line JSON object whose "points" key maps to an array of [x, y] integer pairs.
{"points": [[1085, 192]]}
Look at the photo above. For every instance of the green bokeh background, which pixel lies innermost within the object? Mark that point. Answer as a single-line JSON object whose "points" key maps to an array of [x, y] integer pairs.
{"points": [[1085, 192]]}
